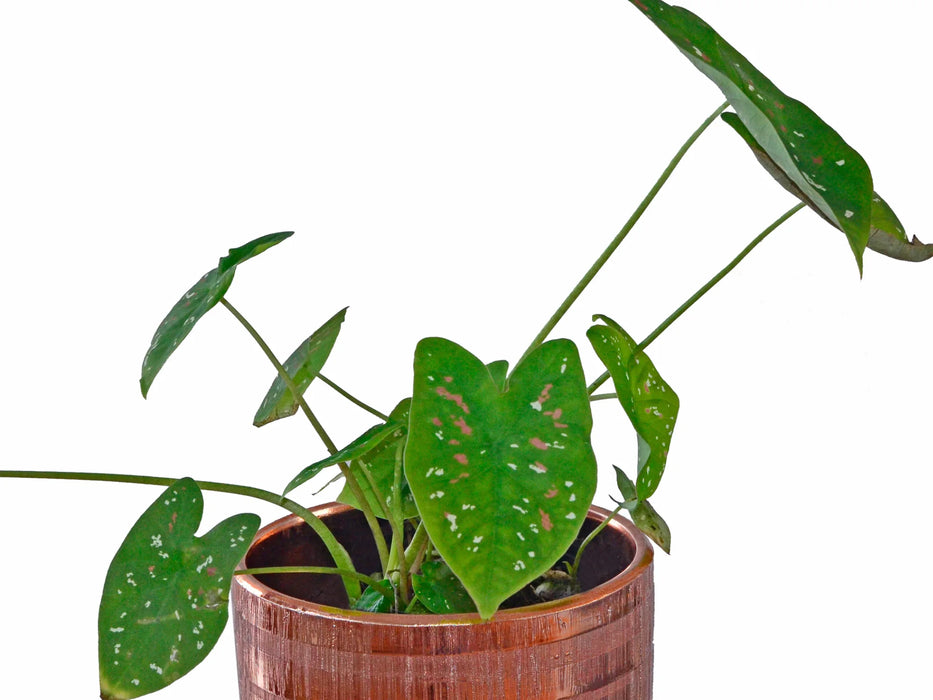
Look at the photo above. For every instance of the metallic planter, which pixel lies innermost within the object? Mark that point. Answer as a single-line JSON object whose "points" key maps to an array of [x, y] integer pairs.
{"points": [[597, 644]]}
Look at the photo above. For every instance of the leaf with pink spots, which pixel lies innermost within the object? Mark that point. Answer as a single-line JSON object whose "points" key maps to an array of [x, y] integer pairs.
{"points": [[502, 478]]}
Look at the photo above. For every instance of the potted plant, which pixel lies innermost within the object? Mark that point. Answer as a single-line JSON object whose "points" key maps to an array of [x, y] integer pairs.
{"points": [[606, 329]]}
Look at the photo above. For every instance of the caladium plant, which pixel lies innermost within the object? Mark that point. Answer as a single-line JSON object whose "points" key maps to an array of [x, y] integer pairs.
{"points": [[485, 472]]}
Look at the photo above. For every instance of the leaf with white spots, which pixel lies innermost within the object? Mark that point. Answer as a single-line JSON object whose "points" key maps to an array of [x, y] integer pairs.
{"points": [[302, 366], [887, 235], [164, 603], [197, 301], [440, 591], [502, 479], [647, 399], [645, 517], [830, 173]]}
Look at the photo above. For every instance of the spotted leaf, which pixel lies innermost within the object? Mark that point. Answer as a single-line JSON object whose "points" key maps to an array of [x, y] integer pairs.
{"points": [[197, 301], [302, 366], [647, 399], [502, 479], [830, 173], [164, 603], [645, 517], [887, 235]]}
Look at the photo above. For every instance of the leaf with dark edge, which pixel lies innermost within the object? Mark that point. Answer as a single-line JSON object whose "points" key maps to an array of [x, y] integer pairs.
{"points": [[503, 480], [164, 603], [380, 463], [830, 173], [887, 233], [645, 517], [197, 301], [360, 446], [302, 366], [647, 399], [441, 591]]}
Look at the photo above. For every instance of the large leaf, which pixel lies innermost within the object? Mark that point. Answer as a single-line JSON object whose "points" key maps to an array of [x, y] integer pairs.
{"points": [[302, 366], [647, 399], [502, 479], [643, 513], [164, 603], [829, 172], [197, 301], [887, 234]]}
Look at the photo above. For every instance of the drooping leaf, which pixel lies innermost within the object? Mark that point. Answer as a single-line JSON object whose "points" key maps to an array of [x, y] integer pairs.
{"points": [[503, 480], [360, 446], [887, 235], [197, 301], [164, 603], [647, 399], [380, 463], [643, 513], [302, 366], [829, 172], [441, 591]]}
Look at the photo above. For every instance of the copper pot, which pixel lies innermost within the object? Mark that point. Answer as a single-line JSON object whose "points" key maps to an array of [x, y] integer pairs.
{"points": [[294, 639]]}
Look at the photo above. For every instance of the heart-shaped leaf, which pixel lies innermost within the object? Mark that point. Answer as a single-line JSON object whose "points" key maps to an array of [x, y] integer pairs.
{"points": [[164, 603], [440, 591], [647, 399], [829, 172], [887, 234], [302, 366], [503, 480], [379, 599], [197, 301], [643, 513]]}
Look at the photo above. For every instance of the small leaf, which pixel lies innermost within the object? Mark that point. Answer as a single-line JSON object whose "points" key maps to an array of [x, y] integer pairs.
{"points": [[376, 599], [645, 517], [363, 444], [164, 603], [830, 173], [647, 399], [251, 250], [503, 480], [302, 366], [441, 591], [197, 301], [500, 372], [887, 233]]}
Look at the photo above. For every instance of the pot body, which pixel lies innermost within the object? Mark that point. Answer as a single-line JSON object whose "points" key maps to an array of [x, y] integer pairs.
{"points": [[597, 644]]}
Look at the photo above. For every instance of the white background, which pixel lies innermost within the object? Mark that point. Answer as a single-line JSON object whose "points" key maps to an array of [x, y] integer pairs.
{"points": [[452, 169]]}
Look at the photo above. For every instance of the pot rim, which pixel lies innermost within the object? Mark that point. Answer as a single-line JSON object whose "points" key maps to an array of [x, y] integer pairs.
{"points": [[640, 564]]}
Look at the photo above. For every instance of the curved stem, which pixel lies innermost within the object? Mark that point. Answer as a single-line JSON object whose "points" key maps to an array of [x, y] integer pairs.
{"points": [[589, 538], [334, 547], [633, 219], [262, 570], [351, 398], [703, 290]]}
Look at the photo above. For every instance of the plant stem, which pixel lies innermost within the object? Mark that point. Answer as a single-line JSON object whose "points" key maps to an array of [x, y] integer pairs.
{"points": [[262, 570], [702, 290], [330, 542], [633, 219], [352, 483], [589, 538], [351, 398], [603, 397]]}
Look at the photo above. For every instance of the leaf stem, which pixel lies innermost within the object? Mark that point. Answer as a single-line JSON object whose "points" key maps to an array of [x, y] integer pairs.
{"points": [[330, 542], [633, 219], [703, 290], [589, 538], [351, 398], [262, 570]]}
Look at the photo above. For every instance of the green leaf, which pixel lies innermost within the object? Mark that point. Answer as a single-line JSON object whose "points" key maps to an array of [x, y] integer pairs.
{"points": [[380, 463], [440, 591], [503, 480], [197, 301], [647, 399], [829, 172], [164, 603], [887, 234], [302, 366], [360, 446], [500, 372], [645, 517], [251, 250], [376, 599]]}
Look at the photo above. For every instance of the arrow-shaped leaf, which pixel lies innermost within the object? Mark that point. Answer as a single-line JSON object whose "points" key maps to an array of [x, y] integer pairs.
{"points": [[647, 399], [829, 172], [302, 366], [502, 479], [197, 301], [643, 513], [164, 603], [887, 233]]}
